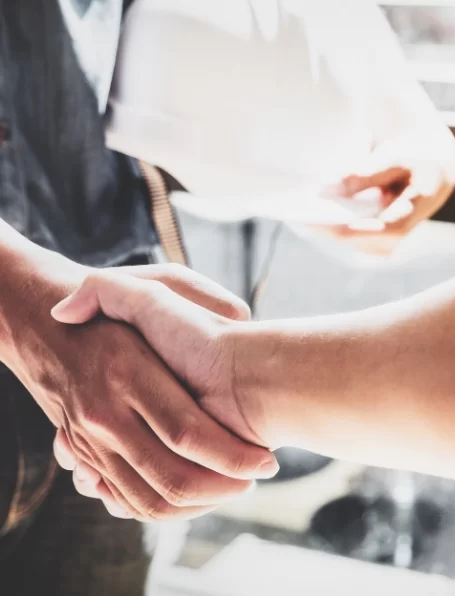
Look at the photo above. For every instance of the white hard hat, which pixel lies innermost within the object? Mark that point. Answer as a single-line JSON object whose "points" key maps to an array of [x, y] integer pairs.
{"points": [[252, 99], [230, 97]]}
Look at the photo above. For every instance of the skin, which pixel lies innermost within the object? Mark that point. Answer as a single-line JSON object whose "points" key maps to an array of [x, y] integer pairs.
{"points": [[408, 195], [122, 410], [145, 446], [374, 386]]}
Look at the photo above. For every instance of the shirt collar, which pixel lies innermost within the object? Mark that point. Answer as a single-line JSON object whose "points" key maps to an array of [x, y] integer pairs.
{"points": [[94, 26]]}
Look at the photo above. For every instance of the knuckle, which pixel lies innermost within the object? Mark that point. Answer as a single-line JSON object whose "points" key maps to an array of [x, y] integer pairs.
{"points": [[144, 300], [179, 492], [160, 510], [144, 460], [236, 310], [94, 420], [120, 373], [116, 372], [92, 280], [184, 436], [243, 311], [238, 462]]}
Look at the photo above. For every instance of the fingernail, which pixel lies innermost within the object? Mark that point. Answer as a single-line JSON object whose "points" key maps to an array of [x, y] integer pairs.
{"points": [[269, 469], [61, 305]]}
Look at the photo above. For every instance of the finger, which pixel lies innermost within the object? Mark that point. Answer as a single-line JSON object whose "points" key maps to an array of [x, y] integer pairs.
{"points": [[84, 489], [63, 452], [398, 210], [189, 432], [150, 306], [106, 490], [123, 502], [164, 318], [171, 325], [85, 302], [376, 242], [168, 321], [101, 492], [383, 242], [401, 214], [126, 495], [87, 474], [89, 483], [150, 504], [113, 510], [86, 480], [390, 177], [179, 481], [194, 287], [136, 497]]}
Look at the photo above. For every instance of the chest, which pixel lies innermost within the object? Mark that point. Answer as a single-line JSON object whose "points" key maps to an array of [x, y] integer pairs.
{"points": [[94, 26]]}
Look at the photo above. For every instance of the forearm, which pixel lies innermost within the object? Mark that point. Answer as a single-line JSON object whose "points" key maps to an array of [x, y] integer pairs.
{"points": [[298, 377], [32, 280], [376, 386]]}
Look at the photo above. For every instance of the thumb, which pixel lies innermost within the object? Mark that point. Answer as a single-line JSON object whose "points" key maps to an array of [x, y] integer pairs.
{"points": [[79, 307], [99, 293], [174, 327]]}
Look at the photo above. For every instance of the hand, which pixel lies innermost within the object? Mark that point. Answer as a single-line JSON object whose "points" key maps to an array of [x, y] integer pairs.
{"points": [[408, 195], [192, 340], [271, 382], [123, 412]]}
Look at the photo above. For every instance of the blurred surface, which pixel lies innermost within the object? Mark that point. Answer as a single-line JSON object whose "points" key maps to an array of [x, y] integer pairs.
{"points": [[426, 31], [372, 515], [268, 542], [251, 566]]}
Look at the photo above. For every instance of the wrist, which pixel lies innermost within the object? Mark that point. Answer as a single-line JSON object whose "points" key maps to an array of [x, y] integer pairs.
{"points": [[268, 378], [311, 383], [252, 382], [33, 281]]}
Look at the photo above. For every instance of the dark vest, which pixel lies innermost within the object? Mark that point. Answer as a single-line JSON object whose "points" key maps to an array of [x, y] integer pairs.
{"points": [[59, 185]]}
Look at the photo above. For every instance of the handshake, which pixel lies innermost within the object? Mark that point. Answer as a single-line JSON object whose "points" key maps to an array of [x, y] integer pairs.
{"points": [[168, 400], [155, 424]]}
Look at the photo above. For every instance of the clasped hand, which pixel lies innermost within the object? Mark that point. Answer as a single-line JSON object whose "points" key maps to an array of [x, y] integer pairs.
{"points": [[179, 449]]}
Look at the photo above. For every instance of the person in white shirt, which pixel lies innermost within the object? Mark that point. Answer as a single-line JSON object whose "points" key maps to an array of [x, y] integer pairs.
{"points": [[247, 101]]}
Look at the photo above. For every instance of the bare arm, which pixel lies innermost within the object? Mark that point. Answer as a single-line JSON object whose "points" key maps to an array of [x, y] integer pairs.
{"points": [[107, 389], [30, 280], [375, 386]]}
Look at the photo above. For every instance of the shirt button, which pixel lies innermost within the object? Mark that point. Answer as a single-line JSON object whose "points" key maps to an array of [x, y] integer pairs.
{"points": [[5, 133]]}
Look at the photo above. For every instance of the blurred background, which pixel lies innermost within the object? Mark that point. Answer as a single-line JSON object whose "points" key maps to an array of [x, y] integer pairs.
{"points": [[322, 526]]}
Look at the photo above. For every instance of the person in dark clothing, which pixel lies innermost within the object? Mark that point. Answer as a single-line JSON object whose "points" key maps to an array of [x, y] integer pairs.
{"points": [[67, 205]]}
